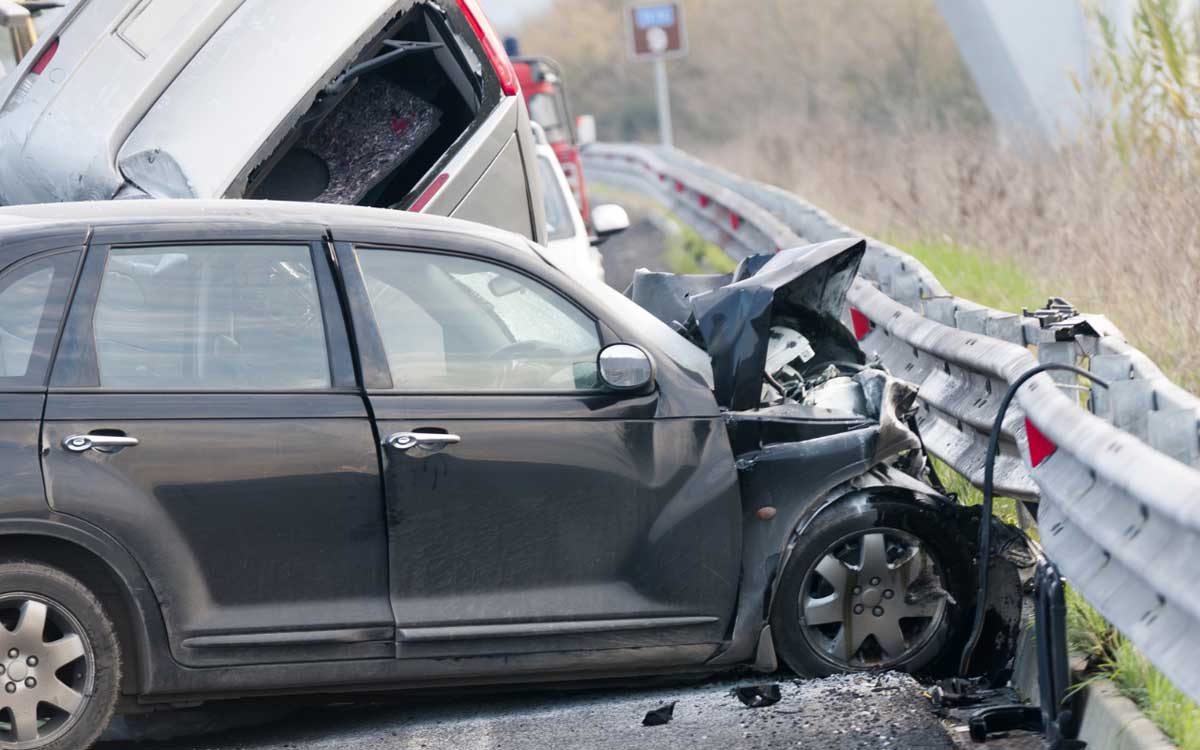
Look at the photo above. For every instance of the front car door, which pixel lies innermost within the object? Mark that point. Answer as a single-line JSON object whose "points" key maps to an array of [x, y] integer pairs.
{"points": [[203, 410], [529, 509]]}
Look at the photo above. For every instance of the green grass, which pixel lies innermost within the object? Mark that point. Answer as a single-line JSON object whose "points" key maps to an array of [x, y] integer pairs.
{"points": [[1111, 655], [688, 252], [1004, 508], [970, 274]]}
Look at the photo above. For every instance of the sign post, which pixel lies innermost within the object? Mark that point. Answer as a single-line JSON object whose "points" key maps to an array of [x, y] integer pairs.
{"points": [[656, 32]]}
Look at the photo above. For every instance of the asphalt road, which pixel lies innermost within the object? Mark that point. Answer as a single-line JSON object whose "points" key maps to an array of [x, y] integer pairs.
{"points": [[860, 711]]}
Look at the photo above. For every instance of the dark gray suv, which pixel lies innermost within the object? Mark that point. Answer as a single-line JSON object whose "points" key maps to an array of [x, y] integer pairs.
{"points": [[254, 448]]}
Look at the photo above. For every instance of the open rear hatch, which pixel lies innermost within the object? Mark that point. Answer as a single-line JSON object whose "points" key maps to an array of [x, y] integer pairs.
{"points": [[378, 128]]}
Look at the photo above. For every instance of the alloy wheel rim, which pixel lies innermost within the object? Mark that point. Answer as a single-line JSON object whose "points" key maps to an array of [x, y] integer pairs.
{"points": [[871, 600], [47, 671]]}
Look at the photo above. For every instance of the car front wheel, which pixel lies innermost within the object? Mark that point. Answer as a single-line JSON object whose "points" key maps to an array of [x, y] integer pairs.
{"points": [[874, 583], [59, 660]]}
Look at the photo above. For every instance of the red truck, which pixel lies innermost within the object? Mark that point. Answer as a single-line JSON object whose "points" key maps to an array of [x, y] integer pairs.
{"points": [[542, 85]]}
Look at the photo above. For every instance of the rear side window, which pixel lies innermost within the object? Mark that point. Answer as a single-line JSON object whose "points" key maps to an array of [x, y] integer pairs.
{"points": [[32, 298], [218, 317]]}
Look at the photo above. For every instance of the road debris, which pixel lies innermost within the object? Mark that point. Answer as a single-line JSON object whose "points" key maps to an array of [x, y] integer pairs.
{"points": [[659, 716], [757, 696]]}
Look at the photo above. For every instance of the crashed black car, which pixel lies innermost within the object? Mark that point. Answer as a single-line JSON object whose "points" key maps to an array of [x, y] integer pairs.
{"points": [[260, 448]]}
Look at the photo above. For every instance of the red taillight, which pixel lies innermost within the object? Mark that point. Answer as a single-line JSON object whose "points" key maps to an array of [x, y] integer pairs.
{"points": [[43, 61], [421, 202], [862, 324], [492, 46], [1040, 446]]}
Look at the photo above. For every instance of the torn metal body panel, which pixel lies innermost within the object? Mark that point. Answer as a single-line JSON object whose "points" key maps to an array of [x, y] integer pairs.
{"points": [[732, 317], [796, 480]]}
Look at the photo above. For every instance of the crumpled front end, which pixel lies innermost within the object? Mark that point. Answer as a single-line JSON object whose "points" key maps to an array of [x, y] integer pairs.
{"points": [[785, 367]]}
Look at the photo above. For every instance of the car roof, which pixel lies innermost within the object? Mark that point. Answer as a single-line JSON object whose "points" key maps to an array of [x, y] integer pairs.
{"points": [[238, 214]]}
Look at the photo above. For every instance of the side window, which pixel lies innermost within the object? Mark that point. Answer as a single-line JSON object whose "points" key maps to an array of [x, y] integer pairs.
{"points": [[32, 298], [211, 317], [460, 325]]}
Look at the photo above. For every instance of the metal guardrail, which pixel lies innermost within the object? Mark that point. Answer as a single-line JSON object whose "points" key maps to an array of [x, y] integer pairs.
{"points": [[1115, 470]]}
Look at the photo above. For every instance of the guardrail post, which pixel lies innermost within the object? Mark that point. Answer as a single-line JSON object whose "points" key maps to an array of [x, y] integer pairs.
{"points": [[1174, 433]]}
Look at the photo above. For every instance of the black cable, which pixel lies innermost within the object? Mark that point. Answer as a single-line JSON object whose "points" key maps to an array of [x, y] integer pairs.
{"points": [[985, 517]]}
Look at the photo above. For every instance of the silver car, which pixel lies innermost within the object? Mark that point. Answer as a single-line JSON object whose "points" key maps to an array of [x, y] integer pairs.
{"points": [[406, 104]]}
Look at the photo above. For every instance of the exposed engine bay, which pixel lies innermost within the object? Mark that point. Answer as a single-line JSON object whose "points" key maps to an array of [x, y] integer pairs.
{"points": [[784, 366]]}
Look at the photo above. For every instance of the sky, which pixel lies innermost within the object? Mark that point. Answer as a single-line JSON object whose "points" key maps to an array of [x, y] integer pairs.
{"points": [[507, 14]]}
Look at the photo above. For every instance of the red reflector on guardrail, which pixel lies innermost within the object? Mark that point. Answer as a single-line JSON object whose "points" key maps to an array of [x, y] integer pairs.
{"points": [[704, 201], [735, 221], [862, 324], [1040, 446], [678, 186]]}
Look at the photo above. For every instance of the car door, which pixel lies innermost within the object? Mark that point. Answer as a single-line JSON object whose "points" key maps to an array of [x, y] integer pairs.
{"points": [[529, 509], [203, 410]]}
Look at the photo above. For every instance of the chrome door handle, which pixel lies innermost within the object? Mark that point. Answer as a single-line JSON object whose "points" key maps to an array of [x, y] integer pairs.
{"points": [[427, 441], [82, 443]]}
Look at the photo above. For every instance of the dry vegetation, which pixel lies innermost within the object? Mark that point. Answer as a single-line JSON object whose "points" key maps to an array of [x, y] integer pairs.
{"points": [[866, 109]]}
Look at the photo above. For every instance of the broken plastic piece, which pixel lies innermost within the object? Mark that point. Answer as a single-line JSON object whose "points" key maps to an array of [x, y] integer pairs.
{"points": [[659, 716], [996, 719], [758, 696]]}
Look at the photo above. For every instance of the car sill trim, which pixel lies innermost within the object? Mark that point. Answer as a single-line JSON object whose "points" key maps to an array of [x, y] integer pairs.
{"points": [[532, 629], [300, 638]]}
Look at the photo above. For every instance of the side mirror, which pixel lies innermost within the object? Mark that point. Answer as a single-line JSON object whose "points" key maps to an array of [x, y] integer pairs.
{"points": [[608, 220], [624, 367], [585, 130]]}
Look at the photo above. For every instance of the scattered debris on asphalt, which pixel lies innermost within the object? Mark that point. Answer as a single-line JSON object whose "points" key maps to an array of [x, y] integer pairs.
{"points": [[659, 716], [757, 696]]}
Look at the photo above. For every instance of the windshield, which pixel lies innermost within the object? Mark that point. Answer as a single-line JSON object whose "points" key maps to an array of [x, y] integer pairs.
{"points": [[559, 224], [545, 111]]}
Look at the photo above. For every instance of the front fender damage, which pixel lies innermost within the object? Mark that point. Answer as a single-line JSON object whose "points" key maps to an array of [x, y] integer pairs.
{"points": [[813, 423]]}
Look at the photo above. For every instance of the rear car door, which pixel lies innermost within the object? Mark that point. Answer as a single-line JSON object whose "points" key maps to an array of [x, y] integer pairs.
{"points": [[530, 510], [203, 410]]}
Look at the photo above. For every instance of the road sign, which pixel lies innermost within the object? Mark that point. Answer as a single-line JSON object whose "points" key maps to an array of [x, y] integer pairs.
{"points": [[656, 30]]}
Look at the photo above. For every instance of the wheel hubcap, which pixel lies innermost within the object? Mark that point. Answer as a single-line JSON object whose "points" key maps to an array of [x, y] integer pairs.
{"points": [[872, 600], [46, 671]]}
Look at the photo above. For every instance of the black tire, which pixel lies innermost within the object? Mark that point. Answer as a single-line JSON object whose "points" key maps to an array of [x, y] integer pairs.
{"points": [[68, 606], [814, 650]]}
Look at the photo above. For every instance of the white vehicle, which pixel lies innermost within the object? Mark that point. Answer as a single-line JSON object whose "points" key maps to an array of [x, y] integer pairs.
{"points": [[569, 240]]}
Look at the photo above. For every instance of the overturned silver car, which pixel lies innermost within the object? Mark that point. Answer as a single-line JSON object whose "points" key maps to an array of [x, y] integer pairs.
{"points": [[408, 104]]}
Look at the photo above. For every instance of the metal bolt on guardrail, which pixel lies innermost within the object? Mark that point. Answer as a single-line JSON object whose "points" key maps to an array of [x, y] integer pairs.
{"points": [[1114, 471]]}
